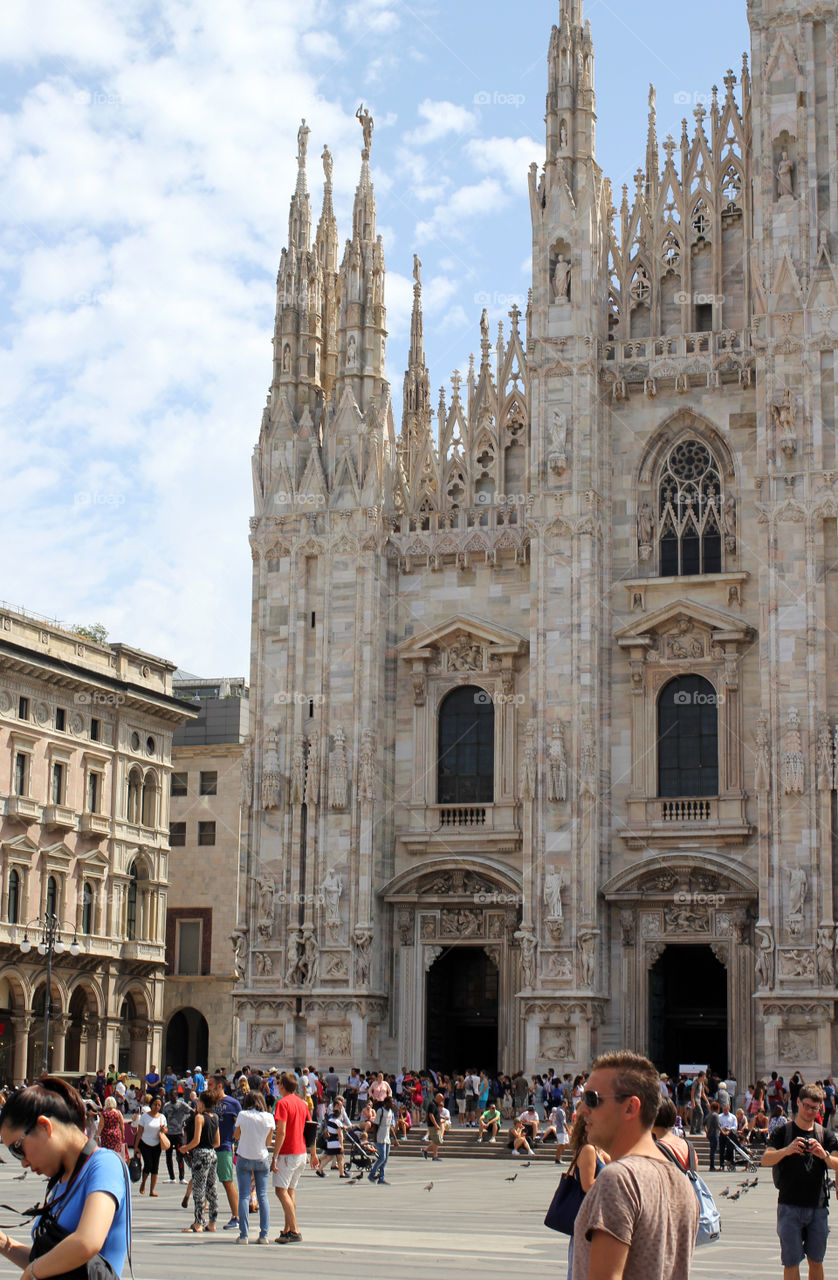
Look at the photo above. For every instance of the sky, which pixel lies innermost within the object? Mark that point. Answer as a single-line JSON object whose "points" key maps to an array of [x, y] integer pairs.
{"points": [[147, 160]]}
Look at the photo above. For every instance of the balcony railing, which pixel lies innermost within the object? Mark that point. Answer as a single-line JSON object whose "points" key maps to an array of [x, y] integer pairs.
{"points": [[664, 820], [23, 808], [687, 811], [60, 817], [94, 824], [463, 815]]}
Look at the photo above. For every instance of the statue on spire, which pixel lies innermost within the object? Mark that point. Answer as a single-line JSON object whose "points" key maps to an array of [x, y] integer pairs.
{"points": [[367, 125], [327, 165], [652, 98], [417, 268], [302, 143]]}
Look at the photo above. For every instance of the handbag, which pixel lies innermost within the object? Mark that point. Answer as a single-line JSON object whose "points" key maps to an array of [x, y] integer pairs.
{"points": [[165, 1143], [565, 1204], [135, 1168], [49, 1233]]}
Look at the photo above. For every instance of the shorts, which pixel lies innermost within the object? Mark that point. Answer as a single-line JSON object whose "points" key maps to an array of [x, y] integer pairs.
{"points": [[435, 1136], [224, 1166], [288, 1170], [802, 1232], [461, 1105]]}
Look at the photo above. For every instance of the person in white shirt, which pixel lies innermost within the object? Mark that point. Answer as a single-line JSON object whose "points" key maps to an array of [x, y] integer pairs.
{"points": [[254, 1126], [385, 1121], [150, 1125], [728, 1126], [529, 1119]]}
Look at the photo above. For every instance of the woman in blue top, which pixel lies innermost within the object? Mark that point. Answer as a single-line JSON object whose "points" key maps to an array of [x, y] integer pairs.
{"points": [[43, 1127]]}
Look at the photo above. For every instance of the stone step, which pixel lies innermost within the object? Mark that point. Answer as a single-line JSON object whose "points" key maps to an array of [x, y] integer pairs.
{"points": [[464, 1144]]}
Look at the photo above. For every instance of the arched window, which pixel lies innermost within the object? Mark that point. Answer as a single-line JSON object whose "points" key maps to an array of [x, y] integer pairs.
{"points": [[466, 758], [14, 896], [87, 908], [132, 810], [688, 738], [131, 903], [150, 799], [52, 897], [690, 511]]}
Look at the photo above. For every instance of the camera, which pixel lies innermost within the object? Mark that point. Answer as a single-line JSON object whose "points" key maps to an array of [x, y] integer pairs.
{"points": [[807, 1142]]}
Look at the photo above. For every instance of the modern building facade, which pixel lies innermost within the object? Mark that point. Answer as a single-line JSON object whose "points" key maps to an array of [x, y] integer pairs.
{"points": [[86, 741], [545, 711], [203, 910]]}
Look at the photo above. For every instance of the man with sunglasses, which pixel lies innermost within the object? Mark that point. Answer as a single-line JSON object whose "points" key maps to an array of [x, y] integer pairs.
{"points": [[640, 1218], [800, 1153]]}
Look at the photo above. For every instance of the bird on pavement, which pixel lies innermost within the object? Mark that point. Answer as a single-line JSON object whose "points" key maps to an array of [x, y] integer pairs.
{"points": [[736, 1195], [726, 1192], [429, 1186], [526, 1164], [512, 1179], [755, 1182], [20, 1176]]}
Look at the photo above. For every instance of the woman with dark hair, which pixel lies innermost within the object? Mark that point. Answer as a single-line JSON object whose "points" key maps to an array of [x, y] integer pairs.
{"points": [[254, 1126], [151, 1125], [586, 1163], [87, 1206], [203, 1143]]}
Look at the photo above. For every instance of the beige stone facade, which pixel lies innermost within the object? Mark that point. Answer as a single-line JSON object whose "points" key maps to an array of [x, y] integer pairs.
{"points": [[619, 534], [203, 905], [85, 744]]}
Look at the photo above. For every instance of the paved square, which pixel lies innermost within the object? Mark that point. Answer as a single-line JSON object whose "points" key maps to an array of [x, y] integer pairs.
{"points": [[472, 1223]]}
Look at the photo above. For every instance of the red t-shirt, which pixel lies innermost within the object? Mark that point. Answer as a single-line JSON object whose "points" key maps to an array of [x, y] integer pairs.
{"points": [[294, 1112]]}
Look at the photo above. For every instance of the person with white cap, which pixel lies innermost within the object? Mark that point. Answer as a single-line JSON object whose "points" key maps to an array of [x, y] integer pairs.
{"points": [[200, 1083]]}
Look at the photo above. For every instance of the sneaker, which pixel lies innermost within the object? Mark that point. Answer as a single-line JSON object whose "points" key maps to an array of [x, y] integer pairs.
{"points": [[289, 1237], [424, 1155], [263, 1240], [228, 1226], [242, 1240], [320, 1173], [491, 1140], [370, 1178]]}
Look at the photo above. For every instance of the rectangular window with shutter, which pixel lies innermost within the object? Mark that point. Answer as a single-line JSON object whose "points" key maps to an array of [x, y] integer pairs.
{"points": [[189, 946]]}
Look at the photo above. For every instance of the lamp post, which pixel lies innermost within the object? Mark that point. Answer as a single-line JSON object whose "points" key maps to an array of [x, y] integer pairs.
{"points": [[51, 944]]}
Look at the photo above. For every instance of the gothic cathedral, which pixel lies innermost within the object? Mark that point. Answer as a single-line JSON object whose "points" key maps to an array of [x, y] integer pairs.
{"points": [[545, 738]]}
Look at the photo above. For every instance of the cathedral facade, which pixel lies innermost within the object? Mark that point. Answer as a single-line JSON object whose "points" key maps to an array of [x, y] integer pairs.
{"points": [[545, 741]]}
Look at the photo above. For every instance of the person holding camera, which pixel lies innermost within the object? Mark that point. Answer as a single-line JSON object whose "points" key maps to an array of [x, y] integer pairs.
{"points": [[801, 1153]]}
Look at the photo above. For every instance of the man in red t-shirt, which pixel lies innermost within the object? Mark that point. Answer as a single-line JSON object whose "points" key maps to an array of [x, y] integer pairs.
{"points": [[289, 1153]]}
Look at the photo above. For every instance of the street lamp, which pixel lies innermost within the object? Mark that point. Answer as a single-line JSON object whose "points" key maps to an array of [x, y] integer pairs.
{"points": [[51, 944]]}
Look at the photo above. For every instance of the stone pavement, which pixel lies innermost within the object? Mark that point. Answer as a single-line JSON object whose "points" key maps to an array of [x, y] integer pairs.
{"points": [[472, 1223]]}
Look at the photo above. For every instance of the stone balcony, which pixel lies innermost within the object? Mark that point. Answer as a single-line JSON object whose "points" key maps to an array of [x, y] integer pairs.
{"points": [[439, 828], [22, 808], [94, 824], [672, 820], [684, 359], [60, 817]]}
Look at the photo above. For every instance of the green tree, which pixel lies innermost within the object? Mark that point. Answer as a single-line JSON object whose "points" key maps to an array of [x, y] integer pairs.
{"points": [[97, 633]]}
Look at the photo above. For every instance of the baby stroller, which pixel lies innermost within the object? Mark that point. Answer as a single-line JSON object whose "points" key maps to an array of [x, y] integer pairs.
{"points": [[748, 1159], [355, 1153]]}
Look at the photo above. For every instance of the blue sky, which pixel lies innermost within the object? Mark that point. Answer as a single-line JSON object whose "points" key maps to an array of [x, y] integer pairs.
{"points": [[147, 158]]}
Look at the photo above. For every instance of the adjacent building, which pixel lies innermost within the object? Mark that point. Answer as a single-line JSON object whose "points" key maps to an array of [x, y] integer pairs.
{"points": [[544, 696], [204, 874], [85, 747]]}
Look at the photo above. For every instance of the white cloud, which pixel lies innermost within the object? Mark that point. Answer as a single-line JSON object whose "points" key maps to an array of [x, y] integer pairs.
{"points": [[476, 200], [441, 118], [506, 158]]}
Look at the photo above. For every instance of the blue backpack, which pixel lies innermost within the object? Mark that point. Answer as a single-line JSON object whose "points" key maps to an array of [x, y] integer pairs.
{"points": [[709, 1221]]}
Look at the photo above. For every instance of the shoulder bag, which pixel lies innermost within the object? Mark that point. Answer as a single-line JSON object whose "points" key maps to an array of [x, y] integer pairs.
{"points": [[566, 1203]]}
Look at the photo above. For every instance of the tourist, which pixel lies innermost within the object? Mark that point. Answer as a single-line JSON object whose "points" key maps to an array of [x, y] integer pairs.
{"points": [[380, 1089], [518, 1143], [557, 1130], [385, 1120], [802, 1153], [203, 1145], [489, 1122], [112, 1130], [435, 1130], [712, 1129], [641, 1214], [289, 1153], [586, 1163], [43, 1128], [150, 1125], [353, 1084], [226, 1111], [664, 1131], [404, 1122], [460, 1101], [176, 1111], [254, 1127], [530, 1122], [727, 1129]]}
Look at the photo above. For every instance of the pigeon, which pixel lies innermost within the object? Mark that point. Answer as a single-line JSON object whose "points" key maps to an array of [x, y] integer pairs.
{"points": [[429, 1186], [746, 1183], [736, 1195], [755, 1182], [20, 1176], [726, 1192], [525, 1165], [512, 1179]]}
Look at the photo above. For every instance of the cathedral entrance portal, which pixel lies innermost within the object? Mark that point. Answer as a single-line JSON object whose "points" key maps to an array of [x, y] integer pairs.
{"points": [[688, 1009], [462, 1011]]}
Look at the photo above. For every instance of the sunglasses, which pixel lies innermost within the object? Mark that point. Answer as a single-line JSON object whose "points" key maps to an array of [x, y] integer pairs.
{"points": [[16, 1149], [592, 1099]]}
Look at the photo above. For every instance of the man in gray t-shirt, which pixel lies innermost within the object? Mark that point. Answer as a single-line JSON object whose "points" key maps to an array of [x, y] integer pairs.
{"points": [[640, 1218]]}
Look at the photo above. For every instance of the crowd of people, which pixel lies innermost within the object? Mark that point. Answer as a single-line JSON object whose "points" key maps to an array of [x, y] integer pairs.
{"points": [[236, 1133]]}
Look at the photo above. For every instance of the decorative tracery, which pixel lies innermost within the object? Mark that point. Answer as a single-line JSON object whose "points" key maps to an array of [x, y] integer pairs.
{"points": [[690, 511]]}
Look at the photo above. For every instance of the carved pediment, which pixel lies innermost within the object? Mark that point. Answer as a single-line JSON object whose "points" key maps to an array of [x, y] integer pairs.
{"points": [[471, 641], [695, 623], [697, 871], [21, 847]]}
